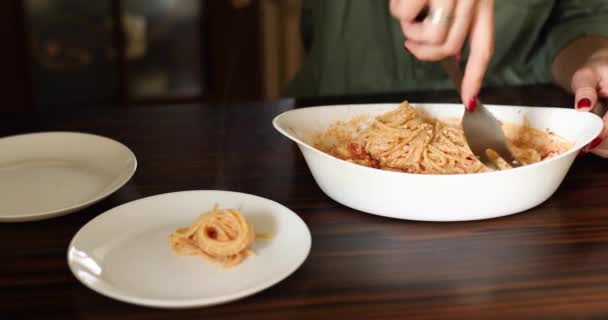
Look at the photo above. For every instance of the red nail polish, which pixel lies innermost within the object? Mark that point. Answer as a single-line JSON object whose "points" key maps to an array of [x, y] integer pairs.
{"points": [[581, 153], [472, 104], [583, 104], [594, 143]]}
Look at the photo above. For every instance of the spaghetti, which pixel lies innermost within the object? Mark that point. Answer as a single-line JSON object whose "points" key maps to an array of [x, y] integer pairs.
{"points": [[407, 140], [220, 235]]}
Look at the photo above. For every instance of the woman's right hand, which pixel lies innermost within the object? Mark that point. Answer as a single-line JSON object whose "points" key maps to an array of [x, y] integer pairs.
{"points": [[444, 31]]}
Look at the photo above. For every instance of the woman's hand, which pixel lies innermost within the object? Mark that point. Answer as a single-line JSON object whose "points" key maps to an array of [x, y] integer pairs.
{"points": [[444, 31], [590, 85]]}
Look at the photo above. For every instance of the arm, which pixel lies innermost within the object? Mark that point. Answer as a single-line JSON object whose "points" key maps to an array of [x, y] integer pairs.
{"points": [[582, 68], [576, 55], [573, 52]]}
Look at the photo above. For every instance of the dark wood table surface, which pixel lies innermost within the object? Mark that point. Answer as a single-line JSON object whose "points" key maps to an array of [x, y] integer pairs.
{"points": [[550, 262]]}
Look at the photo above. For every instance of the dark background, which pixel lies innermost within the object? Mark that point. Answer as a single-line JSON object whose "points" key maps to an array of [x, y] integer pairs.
{"points": [[62, 54]]}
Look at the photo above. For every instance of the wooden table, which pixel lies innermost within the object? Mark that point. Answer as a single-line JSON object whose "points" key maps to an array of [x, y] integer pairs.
{"points": [[547, 263]]}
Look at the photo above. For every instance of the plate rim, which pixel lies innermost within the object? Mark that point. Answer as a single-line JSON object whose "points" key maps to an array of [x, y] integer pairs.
{"points": [[117, 295], [53, 213]]}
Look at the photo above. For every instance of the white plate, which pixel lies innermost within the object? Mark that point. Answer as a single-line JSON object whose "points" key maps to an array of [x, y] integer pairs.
{"points": [[430, 197], [44, 175], [125, 254]]}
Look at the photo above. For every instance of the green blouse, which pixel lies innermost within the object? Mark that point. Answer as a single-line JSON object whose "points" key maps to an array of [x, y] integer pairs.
{"points": [[356, 47]]}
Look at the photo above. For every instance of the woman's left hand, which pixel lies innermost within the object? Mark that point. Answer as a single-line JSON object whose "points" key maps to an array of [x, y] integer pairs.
{"points": [[590, 85]]}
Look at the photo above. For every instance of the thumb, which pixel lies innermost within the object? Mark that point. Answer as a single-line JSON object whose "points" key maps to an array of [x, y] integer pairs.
{"points": [[601, 143], [604, 133], [584, 85]]}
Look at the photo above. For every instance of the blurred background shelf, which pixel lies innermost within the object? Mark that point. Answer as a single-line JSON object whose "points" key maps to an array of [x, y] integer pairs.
{"points": [[75, 54]]}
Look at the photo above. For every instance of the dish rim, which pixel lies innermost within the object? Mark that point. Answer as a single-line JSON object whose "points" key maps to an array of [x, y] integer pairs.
{"points": [[390, 173]]}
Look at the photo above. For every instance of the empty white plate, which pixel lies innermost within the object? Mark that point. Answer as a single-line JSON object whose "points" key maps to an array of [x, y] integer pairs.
{"points": [[44, 175], [125, 254]]}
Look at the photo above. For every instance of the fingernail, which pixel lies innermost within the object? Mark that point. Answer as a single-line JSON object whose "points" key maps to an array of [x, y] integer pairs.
{"points": [[594, 143], [472, 104], [584, 104]]}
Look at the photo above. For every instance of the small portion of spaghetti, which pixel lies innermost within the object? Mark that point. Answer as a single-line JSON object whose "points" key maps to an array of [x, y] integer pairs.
{"points": [[221, 235], [407, 140]]}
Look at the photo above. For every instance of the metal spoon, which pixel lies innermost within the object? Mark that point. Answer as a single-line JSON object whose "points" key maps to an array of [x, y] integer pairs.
{"points": [[481, 129]]}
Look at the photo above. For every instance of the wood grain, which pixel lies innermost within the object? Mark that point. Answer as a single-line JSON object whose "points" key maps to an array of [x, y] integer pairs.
{"points": [[547, 263]]}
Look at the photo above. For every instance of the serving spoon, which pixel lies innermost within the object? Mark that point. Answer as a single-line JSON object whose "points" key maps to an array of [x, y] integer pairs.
{"points": [[482, 131]]}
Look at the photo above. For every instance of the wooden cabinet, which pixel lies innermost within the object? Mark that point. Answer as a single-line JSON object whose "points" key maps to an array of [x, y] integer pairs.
{"points": [[14, 63], [282, 51], [77, 54], [255, 47]]}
